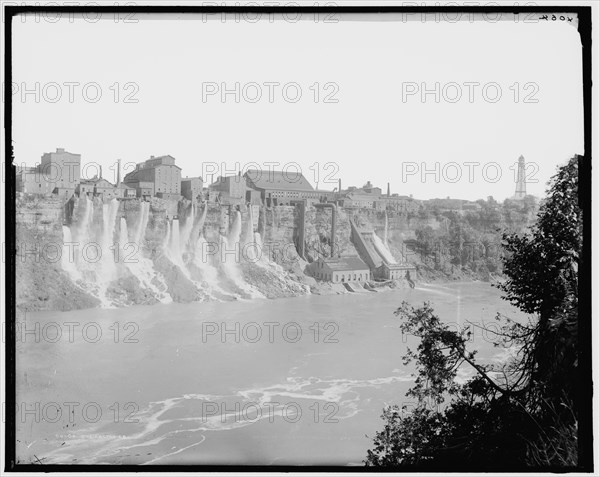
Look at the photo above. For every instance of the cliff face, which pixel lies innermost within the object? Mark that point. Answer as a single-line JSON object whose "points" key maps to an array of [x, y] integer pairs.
{"points": [[165, 251], [41, 284], [156, 264]]}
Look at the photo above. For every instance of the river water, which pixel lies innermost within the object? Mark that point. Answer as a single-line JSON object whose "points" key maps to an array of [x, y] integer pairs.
{"points": [[288, 381]]}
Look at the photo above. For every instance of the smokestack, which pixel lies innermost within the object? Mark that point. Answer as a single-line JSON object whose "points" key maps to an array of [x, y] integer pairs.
{"points": [[339, 185], [388, 189], [119, 172], [100, 172]]}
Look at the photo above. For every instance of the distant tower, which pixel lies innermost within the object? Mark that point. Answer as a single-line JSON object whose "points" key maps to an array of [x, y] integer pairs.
{"points": [[118, 171], [521, 190]]}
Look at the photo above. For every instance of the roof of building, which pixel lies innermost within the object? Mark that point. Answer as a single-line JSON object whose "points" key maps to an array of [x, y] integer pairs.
{"points": [[360, 196], [184, 179], [97, 181], [124, 186], [394, 266], [345, 263], [101, 182], [164, 160], [224, 179], [60, 150], [278, 180]]}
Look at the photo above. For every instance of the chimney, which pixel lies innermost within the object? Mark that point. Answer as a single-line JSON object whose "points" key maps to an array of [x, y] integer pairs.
{"points": [[339, 185], [118, 171], [100, 172], [388, 189], [59, 150]]}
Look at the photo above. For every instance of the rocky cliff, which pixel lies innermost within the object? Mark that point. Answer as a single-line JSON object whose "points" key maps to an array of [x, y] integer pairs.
{"points": [[88, 253]]}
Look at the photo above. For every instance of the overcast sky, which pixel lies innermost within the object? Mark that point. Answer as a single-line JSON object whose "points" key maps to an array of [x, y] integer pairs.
{"points": [[380, 129]]}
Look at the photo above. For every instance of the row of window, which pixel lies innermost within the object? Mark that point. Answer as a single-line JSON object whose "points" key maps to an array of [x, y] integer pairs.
{"points": [[296, 195], [342, 277]]}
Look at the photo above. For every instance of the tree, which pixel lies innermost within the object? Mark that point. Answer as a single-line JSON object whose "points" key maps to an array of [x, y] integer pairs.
{"points": [[526, 419], [541, 270]]}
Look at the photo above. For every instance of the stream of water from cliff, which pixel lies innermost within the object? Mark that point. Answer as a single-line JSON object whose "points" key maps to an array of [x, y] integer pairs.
{"points": [[287, 381]]}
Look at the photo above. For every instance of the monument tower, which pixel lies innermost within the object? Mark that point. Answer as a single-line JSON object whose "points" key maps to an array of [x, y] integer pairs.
{"points": [[521, 190]]}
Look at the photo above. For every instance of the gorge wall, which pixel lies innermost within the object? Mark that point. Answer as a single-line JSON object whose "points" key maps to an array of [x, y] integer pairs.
{"points": [[90, 253]]}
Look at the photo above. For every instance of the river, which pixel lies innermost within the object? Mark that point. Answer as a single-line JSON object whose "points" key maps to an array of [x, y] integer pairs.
{"points": [[289, 381]]}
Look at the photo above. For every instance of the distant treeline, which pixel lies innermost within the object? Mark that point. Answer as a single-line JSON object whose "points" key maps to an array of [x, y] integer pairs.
{"points": [[468, 240]]}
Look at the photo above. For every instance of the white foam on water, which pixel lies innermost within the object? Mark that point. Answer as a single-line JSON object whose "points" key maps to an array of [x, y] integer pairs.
{"points": [[344, 392]]}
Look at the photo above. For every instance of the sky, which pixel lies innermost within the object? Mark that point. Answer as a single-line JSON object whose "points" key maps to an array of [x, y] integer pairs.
{"points": [[334, 100]]}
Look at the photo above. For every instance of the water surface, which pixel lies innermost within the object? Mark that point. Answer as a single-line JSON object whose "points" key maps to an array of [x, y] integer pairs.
{"points": [[172, 389]]}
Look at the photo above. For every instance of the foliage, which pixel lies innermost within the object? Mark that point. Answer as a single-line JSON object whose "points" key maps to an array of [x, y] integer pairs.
{"points": [[469, 239], [517, 415]]}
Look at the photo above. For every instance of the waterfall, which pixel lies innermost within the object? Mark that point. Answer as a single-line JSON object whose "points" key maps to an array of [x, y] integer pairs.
{"points": [[250, 251], [109, 219], [186, 230], [235, 230], [143, 224], [203, 217], [83, 231], [141, 267], [109, 254], [250, 227], [230, 251], [98, 261], [201, 253], [123, 239], [175, 248], [172, 248], [197, 230], [383, 250], [68, 255], [201, 259], [230, 256], [167, 237], [83, 234]]}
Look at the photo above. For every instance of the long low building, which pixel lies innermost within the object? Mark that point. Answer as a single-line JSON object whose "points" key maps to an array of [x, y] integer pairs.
{"points": [[282, 187], [340, 270]]}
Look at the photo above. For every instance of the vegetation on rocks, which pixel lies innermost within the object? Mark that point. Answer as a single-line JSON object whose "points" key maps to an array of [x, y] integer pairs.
{"points": [[468, 243]]}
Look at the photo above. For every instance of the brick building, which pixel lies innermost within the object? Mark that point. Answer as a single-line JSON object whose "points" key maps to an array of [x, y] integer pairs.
{"points": [[281, 187], [191, 187], [85, 187], [230, 190], [58, 173], [342, 269], [125, 191], [62, 170], [163, 175]]}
